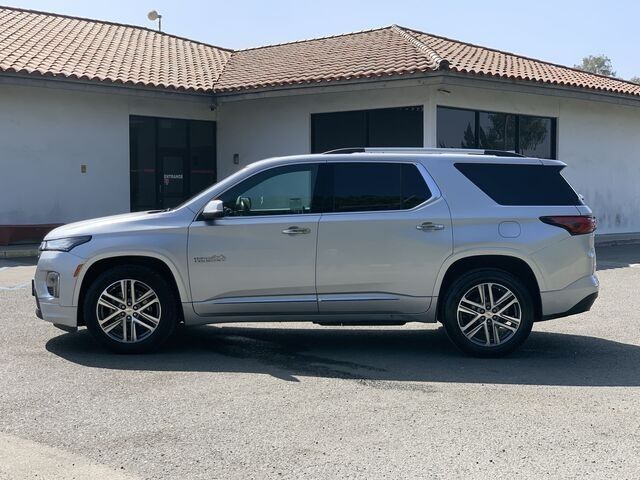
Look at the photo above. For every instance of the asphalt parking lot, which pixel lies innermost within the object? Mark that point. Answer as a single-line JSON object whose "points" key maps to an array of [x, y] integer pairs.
{"points": [[301, 401]]}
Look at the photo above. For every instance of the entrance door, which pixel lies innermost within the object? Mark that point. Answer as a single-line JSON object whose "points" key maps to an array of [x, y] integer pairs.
{"points": [[172, 188], [171, 160]]}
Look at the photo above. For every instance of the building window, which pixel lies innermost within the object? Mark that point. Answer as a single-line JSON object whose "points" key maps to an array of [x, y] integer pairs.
{"points": [[170, 160], [528, 135], [384, 127]]}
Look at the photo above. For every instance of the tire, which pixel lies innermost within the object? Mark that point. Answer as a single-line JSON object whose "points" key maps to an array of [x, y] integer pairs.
{"points": [[106, 319], [462, 315]]}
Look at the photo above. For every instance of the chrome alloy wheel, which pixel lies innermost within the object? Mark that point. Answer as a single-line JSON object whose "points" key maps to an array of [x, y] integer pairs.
{"points": [[128, 311], [489, 314]]}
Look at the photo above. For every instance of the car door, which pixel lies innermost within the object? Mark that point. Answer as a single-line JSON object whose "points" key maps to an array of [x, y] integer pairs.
{"points": [[260, 257], [382, 240]]}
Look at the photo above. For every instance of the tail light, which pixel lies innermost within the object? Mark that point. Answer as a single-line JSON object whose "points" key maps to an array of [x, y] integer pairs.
{"points": [[574, 224]]}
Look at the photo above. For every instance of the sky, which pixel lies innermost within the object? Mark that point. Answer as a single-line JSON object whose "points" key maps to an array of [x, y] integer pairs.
{"points": [[560, 31]]}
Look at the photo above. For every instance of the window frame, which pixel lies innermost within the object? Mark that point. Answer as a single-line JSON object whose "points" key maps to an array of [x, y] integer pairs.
{"points": [[553, 133]]}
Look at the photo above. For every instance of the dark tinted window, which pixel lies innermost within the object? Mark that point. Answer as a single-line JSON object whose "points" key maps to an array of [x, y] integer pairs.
{"points": [[395, 127], [497, 131], [524, 134], [338, 130], [384, 127], [456, 128], [285, 190], [171, 160], [535, 136], [521, 184], [359, 187], [142, 155], [202, 153]]}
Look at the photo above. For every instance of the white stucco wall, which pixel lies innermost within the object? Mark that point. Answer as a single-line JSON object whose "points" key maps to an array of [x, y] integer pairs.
{"points": [[600, 141], [46, 134]]}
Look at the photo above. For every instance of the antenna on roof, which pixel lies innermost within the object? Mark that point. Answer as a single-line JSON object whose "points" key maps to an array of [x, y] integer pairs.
{"points": [[153, 15]]}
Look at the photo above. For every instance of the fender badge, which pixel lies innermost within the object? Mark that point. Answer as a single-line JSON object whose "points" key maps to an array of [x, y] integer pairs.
{"points": [[212, 258]]}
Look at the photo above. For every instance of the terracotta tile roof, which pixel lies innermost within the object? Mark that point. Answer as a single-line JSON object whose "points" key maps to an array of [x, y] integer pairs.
{"points": [[473, 59], [56, 45], [373, 53], [393, 51]]}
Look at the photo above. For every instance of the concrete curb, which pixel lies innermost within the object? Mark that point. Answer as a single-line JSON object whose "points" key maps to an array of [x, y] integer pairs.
{"points": [[19, 251], [614, 239]]}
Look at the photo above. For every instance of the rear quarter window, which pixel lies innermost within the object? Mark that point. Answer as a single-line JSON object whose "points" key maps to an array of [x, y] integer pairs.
{"points": [[525, 185]]}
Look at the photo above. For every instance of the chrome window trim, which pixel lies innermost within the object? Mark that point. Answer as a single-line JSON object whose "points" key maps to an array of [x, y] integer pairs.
{"points": [[426, 176]]}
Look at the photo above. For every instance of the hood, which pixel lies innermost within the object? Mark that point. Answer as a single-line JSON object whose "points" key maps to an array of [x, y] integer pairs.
{"points": [[110, 224]]}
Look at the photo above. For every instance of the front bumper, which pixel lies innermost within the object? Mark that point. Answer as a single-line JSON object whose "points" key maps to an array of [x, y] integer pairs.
{"points": [[577, 297], [60, 310]]}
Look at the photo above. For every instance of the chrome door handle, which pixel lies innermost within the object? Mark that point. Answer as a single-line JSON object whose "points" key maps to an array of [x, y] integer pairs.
{"points": [[296, 231], [430, 226]]}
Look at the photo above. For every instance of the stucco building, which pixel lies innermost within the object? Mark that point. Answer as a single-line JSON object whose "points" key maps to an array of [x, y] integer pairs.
{"points": [[98, 118]]}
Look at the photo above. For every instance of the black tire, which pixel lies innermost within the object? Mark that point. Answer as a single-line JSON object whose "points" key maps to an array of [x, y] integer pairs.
{"points": [[466, 283], [169, 316]]}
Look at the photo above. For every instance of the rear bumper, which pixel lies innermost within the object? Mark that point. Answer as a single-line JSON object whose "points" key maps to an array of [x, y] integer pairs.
{"points": [[575, 298], [582, 306]]}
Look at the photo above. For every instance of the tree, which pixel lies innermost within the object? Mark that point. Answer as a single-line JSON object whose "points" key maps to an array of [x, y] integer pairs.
{"points": [[600, 64], [635, 79]]}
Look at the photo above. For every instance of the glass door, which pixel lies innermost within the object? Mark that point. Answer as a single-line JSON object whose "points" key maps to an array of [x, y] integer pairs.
{"points": [[171, 160]]}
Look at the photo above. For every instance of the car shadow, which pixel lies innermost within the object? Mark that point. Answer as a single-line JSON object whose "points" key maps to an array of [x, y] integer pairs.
{"points": [[373, 356]]}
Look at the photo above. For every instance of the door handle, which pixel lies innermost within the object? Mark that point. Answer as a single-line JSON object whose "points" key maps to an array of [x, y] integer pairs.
{"points": [[296, 231], [430, 226]]}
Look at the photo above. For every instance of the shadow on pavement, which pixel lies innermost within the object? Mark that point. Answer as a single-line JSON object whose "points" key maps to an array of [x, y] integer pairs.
{"points": [[618, 256], [369, 355]]}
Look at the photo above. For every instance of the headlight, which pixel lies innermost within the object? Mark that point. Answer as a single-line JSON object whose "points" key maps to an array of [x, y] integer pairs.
{"points": [[64, 244]]}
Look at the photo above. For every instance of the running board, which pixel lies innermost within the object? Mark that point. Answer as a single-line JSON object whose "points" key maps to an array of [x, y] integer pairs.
{"points": [[389, 323]]}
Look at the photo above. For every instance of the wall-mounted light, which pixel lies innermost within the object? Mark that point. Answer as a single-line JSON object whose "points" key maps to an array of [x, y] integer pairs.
{"points": [[445, 91], [236, 158]]}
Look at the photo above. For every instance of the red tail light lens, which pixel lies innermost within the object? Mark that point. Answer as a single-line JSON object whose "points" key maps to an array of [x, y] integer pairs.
{"points": [[574, 224]]}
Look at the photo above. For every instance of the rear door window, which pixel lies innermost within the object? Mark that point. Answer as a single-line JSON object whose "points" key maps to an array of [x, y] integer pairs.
{"points": [[526, 185], [374, 186]]}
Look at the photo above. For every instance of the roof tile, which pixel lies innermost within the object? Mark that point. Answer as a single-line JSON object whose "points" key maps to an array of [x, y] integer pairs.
{"points": [[49, 44], [40, 43]]}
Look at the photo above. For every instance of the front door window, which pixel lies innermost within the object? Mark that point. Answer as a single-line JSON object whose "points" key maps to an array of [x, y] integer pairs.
{"points": [[287, 190]]}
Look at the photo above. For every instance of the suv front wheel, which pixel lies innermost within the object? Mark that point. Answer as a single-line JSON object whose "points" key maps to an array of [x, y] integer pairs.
{"points": [[130, 309], [488, 312]]}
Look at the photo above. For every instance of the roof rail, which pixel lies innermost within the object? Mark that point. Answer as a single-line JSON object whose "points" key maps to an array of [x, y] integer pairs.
{"points": [[468, 151], [345, 150]]}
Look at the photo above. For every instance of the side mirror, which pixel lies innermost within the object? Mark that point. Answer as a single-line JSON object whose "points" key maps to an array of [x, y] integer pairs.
{"points": [[212, 210]]}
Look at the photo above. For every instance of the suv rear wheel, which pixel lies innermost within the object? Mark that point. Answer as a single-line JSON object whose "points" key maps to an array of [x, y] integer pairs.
{"points": [[488, 312], [130, 309]]}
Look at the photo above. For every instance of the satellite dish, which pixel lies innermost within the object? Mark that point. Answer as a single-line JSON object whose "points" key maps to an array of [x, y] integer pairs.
{"points": [[153, 15]]}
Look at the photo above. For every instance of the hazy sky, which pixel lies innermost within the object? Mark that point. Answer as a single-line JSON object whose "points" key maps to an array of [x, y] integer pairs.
{"points": [[558, 31]]}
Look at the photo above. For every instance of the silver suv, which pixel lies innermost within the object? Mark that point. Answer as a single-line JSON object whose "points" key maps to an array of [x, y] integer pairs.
{"points": [[484, 242]]}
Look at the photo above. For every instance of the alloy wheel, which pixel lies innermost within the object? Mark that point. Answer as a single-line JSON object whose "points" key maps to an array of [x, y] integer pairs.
{"points": [[489, 314], [128, 311]]}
